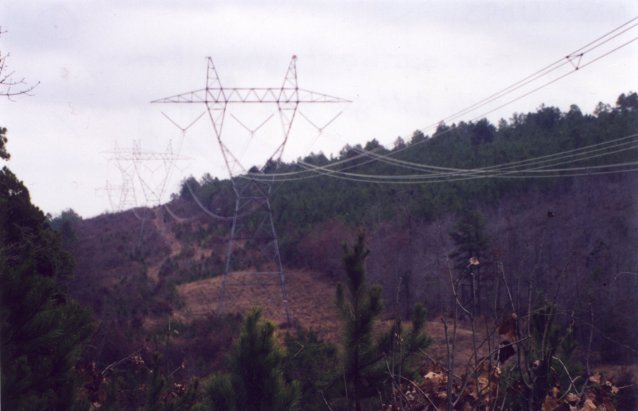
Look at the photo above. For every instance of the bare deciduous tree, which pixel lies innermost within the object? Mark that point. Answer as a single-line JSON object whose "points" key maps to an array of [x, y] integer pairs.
{"points": [[10, 85]]}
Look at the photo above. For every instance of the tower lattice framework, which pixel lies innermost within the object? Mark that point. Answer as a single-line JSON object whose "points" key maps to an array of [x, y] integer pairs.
{"points": [[252, 226]]}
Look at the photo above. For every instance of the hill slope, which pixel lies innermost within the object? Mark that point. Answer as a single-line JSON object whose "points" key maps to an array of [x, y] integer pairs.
{"points": [[563, 239]]}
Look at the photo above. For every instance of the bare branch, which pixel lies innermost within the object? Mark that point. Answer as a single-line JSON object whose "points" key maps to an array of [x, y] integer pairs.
{"points": [[324, 400], [591, 337], [118, 362], [417, 388], [10, 86], [454, 292]]}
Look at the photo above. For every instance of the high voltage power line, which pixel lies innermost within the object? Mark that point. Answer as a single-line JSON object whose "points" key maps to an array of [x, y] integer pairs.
{"points": [[569, 59], [527, 168], [133, 164], [573, 59], [591, 151], [536, 167]]}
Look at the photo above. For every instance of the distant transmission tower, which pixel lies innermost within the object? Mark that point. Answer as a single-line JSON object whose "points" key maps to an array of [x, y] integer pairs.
{"points": [[143, 178], [143, 174], [252, 224]]}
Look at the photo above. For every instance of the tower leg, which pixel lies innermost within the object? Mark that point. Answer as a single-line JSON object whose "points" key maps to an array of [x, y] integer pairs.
{"points": [[253, 234]]}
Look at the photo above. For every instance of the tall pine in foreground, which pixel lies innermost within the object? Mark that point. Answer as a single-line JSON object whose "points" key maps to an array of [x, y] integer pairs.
{"points": [[373, 364], [359, 305], [43, 330]]}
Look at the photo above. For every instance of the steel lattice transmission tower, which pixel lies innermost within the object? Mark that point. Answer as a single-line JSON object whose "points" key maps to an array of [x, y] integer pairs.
{"points": [[137, 167], [252, 224]]}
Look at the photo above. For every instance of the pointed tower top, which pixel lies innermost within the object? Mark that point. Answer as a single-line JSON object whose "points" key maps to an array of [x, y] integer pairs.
{"points": [[289, 89]]}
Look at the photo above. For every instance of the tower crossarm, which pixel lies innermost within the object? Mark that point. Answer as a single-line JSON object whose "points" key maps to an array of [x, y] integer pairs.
{"points": [[251, 95], [256, 236], [147, 157]]}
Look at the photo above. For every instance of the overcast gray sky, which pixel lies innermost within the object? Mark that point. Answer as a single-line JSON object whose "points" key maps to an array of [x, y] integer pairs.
{"points": [[404, 64]]}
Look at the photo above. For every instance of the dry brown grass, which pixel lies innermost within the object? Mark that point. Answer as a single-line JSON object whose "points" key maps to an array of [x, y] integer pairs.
{"points": [[464, 349], [312, 304], [311, 299]]}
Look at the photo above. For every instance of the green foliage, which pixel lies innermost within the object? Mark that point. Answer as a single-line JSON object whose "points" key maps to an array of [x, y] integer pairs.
{"points": [[131, 383], [208, 192], [303, 204], [399, 347], [469, 239], [28, 243], [43, 330], [471, 248], [42, 336], [547, 360], [359, 306], [219, 394], [544, 344], [256, 381], [416, 340], [165, 395], [64, 224], [314, 364], [369, 362], [4, 154], [257, 362], [190, 187]]}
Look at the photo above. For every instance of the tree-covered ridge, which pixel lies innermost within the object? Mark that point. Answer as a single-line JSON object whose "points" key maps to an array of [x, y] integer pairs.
{"points": [[470, 145], [315, 189]]}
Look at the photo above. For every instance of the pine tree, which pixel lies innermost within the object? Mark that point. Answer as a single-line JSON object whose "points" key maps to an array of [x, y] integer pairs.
{"points": [[471, 248], [369, 362], [314, 363], [43, 330], [360, 305], [256, 381], [469, 238]]}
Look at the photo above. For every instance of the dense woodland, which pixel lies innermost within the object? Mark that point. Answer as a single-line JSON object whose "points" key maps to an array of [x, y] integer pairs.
{"points": [[536, 274]]}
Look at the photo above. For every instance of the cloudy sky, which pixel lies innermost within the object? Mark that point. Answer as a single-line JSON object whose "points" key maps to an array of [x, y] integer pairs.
{"points": [[404, 64]]}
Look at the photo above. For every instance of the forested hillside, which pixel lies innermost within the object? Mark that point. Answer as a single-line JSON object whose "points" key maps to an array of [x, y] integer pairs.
{"points": [[484, 266], [561, 225]]}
